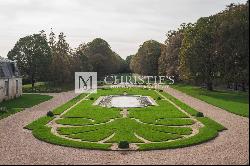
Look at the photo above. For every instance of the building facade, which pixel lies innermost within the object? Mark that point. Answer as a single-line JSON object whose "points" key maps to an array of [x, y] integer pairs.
{"points": [[10, 80]]}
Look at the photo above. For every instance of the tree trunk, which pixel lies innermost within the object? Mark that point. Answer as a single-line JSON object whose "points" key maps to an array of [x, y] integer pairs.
{"points": [[33, 85], [210, 86], [32, 82], [243, 87], [235, 86], [228, 86]]}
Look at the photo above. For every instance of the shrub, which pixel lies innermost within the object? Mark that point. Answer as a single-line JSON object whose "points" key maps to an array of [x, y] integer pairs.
{"points": [[100, 83], [91, 98], [199, 114], [50, 114], [160, 90], [159, 98], [123, 145]]}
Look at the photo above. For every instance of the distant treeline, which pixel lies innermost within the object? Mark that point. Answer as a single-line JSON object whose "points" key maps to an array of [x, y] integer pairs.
{"points": [[42, 58], [212, 51]]}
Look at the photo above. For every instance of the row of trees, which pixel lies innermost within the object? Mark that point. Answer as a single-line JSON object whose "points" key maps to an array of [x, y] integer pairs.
{"points": [[214, 50], [51, 59]]}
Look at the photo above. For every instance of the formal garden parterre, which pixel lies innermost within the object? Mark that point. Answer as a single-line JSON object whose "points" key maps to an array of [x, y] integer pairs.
{"points": [[81, 124]]}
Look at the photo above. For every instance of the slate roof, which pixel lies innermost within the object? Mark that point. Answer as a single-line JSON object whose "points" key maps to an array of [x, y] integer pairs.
{"points": [[8, 68]]}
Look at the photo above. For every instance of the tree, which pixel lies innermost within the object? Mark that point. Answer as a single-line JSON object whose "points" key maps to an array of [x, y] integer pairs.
{"points": [[80, 60], [145, 61], [33, 56], [169, 59], [198, 54], [233, 44], [61, 59], [127, 63], [217, 48], [101, 57]]}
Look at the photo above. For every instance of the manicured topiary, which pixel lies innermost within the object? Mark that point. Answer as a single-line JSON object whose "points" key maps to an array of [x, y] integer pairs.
{"points": [[50, 114], [159, 98], [91, 98], [199, 114], [123, 145]]}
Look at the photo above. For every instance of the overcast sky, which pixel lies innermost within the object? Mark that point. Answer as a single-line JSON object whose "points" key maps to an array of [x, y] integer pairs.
{"points": [[124, 24]]}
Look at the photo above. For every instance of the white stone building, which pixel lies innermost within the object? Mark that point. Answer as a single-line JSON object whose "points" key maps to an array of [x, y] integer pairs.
{"points": [[10, 80]]}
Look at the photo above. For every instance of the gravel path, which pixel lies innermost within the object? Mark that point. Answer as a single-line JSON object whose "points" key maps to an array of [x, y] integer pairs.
{"points": [[18, 146]]}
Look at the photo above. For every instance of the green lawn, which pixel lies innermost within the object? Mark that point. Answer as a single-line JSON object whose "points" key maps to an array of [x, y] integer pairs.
{"points": [[157, 124], [24, 101], [235, 102], [37, 84], [46, 87]]}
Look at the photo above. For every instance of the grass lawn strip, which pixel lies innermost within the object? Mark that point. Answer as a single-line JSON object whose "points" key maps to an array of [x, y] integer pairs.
{"points": [[19, 104], [234, 102]]}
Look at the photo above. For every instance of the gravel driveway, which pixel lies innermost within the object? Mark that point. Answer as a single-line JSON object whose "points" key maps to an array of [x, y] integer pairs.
{"points": [[18, 146]]}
